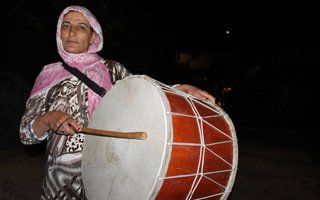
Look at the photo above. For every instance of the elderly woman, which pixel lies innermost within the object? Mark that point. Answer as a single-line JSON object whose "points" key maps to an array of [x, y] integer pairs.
{"points": [[60, 103]]}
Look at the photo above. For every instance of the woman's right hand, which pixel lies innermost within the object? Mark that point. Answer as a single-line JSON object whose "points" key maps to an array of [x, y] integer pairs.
{"points": [[57, 121]]}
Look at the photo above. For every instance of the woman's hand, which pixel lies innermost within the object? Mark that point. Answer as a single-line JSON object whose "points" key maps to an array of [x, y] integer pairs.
{"points": [[57, 121], [196, 92]]}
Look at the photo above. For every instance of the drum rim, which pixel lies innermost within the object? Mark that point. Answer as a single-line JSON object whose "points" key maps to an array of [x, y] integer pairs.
{"points": [[235, 158], [166, 156]]}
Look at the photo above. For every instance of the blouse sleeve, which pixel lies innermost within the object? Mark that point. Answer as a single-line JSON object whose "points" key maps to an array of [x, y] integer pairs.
{"points": [[117, 71], [35, 107]]}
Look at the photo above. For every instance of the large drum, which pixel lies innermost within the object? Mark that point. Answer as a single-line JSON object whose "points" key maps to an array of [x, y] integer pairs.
{"points": [[191, 150]]}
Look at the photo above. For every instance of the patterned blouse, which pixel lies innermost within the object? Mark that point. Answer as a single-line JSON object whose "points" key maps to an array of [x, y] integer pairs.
{"points": [[62, 178]]}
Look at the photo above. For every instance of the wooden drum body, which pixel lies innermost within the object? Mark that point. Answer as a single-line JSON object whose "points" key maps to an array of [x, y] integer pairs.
{"points": [[191, 151]]}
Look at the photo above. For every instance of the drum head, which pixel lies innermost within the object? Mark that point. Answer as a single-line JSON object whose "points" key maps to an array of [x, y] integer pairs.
{"points": [[117, 168]]}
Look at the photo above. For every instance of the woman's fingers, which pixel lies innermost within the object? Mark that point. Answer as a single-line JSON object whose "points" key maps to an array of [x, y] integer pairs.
{"points": [[197, 92], [205, 96], [70, 126], [62, 123]]}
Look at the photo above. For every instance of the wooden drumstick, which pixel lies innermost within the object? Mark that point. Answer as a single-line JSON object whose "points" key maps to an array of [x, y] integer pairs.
{"points": [[128, 135]]}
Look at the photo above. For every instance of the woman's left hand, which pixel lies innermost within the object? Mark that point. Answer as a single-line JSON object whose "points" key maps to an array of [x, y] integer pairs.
{"points": [[196, 92]]}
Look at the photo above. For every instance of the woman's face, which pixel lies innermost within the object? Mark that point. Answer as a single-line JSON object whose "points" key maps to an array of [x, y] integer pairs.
{"points": [[76, 33]]}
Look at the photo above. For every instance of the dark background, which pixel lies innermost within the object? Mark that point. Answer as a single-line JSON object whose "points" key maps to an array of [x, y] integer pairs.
{"points": [[270, 59]]}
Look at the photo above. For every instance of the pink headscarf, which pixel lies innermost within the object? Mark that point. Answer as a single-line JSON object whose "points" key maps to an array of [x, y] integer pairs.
{"points": [[89, 62]]}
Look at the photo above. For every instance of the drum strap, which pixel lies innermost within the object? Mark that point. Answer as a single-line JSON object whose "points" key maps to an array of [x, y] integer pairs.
{"points": [[95, 87]]}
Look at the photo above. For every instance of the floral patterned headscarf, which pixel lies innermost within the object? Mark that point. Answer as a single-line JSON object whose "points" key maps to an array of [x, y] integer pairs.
{"points": [[90, 63], [78, 59]]}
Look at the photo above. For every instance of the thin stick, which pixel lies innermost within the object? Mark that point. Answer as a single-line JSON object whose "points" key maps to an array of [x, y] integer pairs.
{"points": [[128, 135]]}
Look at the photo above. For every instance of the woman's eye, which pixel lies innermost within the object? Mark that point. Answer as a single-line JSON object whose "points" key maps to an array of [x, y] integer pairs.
{"points": [[65, 26], [81, 28]]}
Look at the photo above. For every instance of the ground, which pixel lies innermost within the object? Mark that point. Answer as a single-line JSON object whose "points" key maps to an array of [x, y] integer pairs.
{"points": [[271, 165]]}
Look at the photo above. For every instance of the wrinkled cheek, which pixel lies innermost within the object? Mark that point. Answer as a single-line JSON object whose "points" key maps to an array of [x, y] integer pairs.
{"points": [[85, 47]]}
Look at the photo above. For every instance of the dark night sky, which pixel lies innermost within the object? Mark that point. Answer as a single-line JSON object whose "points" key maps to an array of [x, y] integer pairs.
{"points": [[31, 27]]}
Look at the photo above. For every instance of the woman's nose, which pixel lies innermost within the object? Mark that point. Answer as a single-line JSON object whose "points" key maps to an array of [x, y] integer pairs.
{"points": [[73, 30]]}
